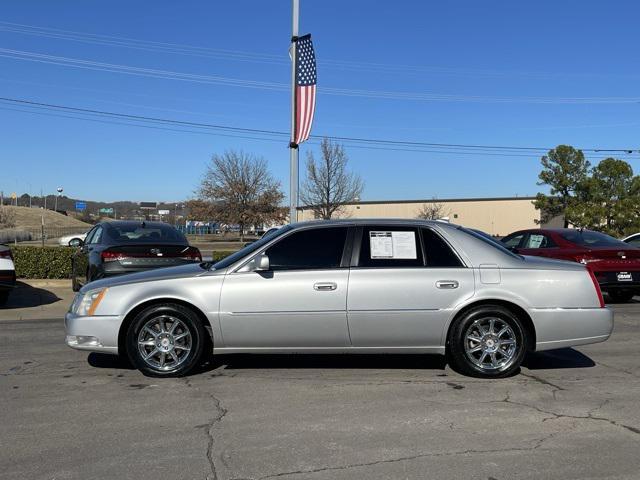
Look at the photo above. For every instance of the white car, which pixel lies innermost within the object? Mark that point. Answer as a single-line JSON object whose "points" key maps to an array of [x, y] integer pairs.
{"points": [[7, 273], [70, 240]]}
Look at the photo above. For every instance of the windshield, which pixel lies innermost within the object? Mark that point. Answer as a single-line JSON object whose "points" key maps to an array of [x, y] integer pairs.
{"points": [[252, 247], [587, 238], [489, 240], [143, 233]]}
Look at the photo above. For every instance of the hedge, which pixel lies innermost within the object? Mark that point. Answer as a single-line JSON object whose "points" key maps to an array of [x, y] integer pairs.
{"points": [[54, 262], [42, 262]]}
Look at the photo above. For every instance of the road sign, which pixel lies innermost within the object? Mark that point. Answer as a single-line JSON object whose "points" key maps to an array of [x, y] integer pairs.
{"points": [[149, 205], [81, 206], [106, 210]]}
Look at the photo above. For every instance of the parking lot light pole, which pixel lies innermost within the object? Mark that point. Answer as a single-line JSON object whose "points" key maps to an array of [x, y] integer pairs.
{"points": [[293, 148]]}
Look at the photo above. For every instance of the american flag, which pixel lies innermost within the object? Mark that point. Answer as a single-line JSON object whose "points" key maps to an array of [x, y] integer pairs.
{"points": [[305, 88]]}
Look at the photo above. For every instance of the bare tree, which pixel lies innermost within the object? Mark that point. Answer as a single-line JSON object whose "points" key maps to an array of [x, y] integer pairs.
{"points": [[432, 211], [7, 217], [329, 185], [240, 190]]}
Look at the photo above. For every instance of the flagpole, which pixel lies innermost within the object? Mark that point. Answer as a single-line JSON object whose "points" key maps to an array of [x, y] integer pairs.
{"points": [[293, 148]]}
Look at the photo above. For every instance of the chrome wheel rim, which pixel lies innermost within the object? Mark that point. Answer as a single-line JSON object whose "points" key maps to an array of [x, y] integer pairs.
{"points": [[490, 344], [164, 342]]}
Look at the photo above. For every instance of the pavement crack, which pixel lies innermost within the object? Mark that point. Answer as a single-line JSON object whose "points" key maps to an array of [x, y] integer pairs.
{"points": [[402, 459], [556, 388], [217, 418]]}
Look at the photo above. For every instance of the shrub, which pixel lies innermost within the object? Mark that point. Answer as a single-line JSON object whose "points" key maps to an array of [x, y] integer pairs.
{"points": [[42, 262], [54, 262]]}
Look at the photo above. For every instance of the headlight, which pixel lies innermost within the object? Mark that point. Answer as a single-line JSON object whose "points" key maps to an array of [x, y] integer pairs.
{"points": [[86, 304]]}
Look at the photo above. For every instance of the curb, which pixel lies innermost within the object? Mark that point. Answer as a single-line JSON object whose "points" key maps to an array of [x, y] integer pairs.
{"points": [[45, 282]]}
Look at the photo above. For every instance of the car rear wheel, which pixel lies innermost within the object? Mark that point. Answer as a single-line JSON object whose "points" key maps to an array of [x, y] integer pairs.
{"points": [[620, 296], [487, 341], [166, 340]]}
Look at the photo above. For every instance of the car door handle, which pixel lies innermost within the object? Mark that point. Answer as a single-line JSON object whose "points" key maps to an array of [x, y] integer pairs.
{"points": [[447, 284], [325, 286]]}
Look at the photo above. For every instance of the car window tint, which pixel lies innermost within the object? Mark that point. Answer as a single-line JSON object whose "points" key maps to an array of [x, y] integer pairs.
{"points": [[317, 248], [538, 240], [437, 252], [588, 238], [89, 236], [513, 242], [634, 241], [145, 233], [390, 246], [97, 235]]}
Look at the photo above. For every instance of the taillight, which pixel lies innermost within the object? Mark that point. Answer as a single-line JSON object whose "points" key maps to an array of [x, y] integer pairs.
{"points": [[597, 286], [108, 256], [6, 254], [191, 253]]}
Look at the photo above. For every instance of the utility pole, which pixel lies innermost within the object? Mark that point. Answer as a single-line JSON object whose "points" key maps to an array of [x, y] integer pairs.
{"points": [[293, 148]]}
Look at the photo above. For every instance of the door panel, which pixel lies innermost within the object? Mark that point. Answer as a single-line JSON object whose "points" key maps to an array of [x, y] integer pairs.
{"points": [[286, 309], [404, 306]]}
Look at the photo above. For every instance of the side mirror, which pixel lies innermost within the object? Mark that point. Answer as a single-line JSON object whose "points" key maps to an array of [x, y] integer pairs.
{"points": [[76, 242], [262, 263]]}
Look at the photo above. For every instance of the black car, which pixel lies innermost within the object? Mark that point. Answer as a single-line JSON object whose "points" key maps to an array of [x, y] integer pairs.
{"points": [[116, 248], [7, 274]]}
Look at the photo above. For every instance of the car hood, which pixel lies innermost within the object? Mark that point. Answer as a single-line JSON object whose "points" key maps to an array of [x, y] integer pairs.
{"points": [[181, 271]]}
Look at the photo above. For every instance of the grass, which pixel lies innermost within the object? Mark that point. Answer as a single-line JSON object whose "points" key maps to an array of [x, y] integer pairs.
{"points": [[30, 219]]}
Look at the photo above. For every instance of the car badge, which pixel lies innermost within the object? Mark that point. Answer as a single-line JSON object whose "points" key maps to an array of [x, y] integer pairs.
{"points": [[622, 255], [156, 251]]}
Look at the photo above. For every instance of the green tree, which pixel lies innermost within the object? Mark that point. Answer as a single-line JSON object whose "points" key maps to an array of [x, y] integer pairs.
{"points": [[610, 201], [564, 170]]}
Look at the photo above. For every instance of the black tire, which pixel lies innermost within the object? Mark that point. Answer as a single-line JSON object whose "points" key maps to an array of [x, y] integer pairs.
{"points": [[187, 320], [4, 297], [620, 296], [507, 358]]}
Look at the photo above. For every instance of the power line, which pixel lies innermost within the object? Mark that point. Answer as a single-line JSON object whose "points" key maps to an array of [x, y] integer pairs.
{"points": [[261, 57], [276, 86], [260, 134]]}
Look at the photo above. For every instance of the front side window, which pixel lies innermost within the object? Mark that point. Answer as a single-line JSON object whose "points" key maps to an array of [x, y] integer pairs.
{"points": [[318, 248], [390, 246], [514, 241], [438, 253]]}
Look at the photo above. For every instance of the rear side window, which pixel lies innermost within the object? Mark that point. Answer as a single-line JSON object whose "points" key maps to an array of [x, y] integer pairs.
{"points": [[633, 241], [538, 240], [390, 246], [513, 241], [319, 248], [588, 238], [437, 252]]}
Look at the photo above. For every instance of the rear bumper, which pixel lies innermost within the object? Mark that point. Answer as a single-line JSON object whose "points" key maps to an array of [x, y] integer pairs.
{"points": [[95, 334], [567, 327]]}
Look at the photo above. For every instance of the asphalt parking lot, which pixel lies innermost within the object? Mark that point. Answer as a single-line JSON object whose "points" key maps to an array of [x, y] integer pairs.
{"points": [[570, 414]]}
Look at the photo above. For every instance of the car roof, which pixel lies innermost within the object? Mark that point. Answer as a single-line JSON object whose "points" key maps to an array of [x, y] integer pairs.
{"points": [[133, 223], [372, 221]]}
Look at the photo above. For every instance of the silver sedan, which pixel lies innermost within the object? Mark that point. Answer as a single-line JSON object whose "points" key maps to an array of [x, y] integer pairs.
{"points": [[352, 286]]}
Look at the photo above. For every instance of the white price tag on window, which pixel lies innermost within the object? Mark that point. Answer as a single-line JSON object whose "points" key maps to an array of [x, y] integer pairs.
{"points": [[393, 245]]}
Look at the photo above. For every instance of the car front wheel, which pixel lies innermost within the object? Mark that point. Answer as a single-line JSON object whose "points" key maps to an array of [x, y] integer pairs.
{"points": [[487, 341], [165, 340]]}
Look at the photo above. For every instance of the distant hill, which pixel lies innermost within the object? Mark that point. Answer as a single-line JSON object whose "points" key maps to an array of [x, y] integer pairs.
{"points": [[30, 219]]}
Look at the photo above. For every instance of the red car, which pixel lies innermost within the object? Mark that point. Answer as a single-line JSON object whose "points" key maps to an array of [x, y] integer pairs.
{"points": [[615, 264]]}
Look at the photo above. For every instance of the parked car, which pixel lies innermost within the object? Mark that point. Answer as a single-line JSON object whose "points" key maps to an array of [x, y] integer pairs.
{"points": [[633, 240], [348, 286], [72, 240], [116, 248], [616, 264], [7, 273]]}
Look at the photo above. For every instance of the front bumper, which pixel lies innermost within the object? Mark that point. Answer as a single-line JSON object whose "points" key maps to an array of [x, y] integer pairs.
{"points": [[569, 327], [95, 334]]}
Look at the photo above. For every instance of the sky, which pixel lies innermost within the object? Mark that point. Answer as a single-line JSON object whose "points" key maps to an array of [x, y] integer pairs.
{"points": [[498, 73]]}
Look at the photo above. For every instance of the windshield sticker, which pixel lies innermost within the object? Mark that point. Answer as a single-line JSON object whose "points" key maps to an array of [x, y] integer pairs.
{"points": [[393, 245]]}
